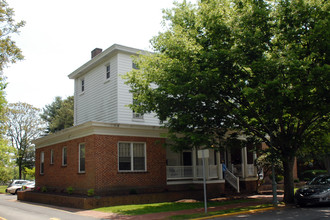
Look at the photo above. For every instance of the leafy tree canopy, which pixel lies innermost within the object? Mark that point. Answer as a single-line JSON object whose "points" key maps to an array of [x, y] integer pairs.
{"points": [[9, 52], [59, 114], [6, 163], [252, 65], [23, 125]]}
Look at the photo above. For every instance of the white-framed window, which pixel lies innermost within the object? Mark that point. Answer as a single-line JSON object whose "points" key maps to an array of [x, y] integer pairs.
{"points": [[135, 114], [134, 66], [42, 162], [131, 156], [107, 72], [64, 156], [82, 85], [52, 156], [81, 158]]}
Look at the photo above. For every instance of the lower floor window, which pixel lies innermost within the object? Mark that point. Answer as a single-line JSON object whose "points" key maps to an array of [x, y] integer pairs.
{"points": [[42, 162], [132, 156], [81, 158]]}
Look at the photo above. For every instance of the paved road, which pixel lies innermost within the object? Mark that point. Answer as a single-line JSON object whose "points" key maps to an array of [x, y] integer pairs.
{"points": [[308, 213], [11, 209]]}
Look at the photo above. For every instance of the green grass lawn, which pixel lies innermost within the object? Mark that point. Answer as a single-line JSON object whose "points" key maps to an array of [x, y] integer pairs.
{"points": [[227, 211], [164, 207], [3, 189]]}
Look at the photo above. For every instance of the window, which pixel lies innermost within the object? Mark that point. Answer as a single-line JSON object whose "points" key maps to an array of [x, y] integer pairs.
{"points": [[107, 72], [82, 85], [42, 162], [132, 156], [64, 156], [134, 66], [51, 156], [135, 114], [81, 158]]}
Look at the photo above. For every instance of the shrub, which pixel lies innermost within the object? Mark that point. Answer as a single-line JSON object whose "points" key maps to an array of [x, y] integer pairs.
{"points": [[90, 192], [310, 174], [133, 192], [296, 180], [70, 190], [44, 189]]}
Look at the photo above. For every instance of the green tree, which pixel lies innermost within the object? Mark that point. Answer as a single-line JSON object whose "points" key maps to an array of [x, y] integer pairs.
{"points": [[59, 114], [5, 161], [23, 125], [9, 52], [255, 65]]}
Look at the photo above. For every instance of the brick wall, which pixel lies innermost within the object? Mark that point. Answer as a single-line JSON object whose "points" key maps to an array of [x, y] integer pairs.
{"points": [[101, 153]]}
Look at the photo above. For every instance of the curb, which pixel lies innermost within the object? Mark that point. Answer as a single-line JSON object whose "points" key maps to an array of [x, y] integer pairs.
{"points": [[237, 213]]}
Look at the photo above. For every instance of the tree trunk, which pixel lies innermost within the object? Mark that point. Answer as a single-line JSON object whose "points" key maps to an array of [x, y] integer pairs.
{"points": [[19, 168], [288, 163], [327, 163]]}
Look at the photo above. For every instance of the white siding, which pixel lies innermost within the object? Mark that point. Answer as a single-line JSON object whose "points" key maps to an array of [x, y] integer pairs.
{"points": [[99, 100], [106, 101], [125, 114]]}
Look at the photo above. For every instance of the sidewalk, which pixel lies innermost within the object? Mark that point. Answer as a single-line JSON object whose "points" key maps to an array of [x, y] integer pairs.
{"points": [[263, 199]]}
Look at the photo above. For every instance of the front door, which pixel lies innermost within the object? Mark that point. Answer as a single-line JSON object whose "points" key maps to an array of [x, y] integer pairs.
{"points": [[187, 158]]}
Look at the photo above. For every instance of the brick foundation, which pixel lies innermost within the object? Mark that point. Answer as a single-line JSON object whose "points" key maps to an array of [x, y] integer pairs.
{"points": [[95, 202]]}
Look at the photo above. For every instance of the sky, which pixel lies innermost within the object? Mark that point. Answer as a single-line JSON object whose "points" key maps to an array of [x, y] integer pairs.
{"points": [[59, 36]]}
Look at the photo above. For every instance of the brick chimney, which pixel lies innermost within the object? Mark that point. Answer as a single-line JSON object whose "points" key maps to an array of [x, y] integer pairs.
{"points": [[96, 51]]}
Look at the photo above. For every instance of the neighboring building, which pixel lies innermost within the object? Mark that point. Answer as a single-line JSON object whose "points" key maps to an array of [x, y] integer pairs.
{"points": [[113, 150]]}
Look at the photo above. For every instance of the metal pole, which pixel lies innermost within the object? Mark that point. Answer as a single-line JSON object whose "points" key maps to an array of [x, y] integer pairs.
{"points": [[204, 183]]}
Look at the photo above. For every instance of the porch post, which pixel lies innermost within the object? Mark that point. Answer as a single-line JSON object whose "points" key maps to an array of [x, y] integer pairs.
{"points": [[194, 163], [244, 162], [220, 176]]}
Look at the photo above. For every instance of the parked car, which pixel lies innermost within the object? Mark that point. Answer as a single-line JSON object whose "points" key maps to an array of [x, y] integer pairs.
{"points": [[28, 186], [15, 186], [315, 192]]}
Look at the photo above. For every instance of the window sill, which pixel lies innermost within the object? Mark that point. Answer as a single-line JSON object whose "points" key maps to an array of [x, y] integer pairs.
{"points": [[82, 172], [82, 93], [64, 165], [132, 171], [106, 81]]}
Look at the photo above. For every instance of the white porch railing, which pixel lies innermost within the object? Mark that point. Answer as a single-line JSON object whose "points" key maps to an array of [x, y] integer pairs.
{"points": [[232, 179], [213, 171], [186, 172], [179, 172], [250, 169]]}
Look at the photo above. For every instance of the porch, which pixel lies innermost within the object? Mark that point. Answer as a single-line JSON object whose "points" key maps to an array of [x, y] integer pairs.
{"points": [[184, 167]]}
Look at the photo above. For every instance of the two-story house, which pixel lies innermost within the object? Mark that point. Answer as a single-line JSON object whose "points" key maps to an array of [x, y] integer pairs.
{"points": [[114, 150]]}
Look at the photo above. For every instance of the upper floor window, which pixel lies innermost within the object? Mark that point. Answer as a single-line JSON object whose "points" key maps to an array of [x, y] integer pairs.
{"points": [[42, 162], [82, 85], [135, 114], [107, 75], [134, 66], [51, 156], [81, 158], [132, 156], [64, 156]]}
